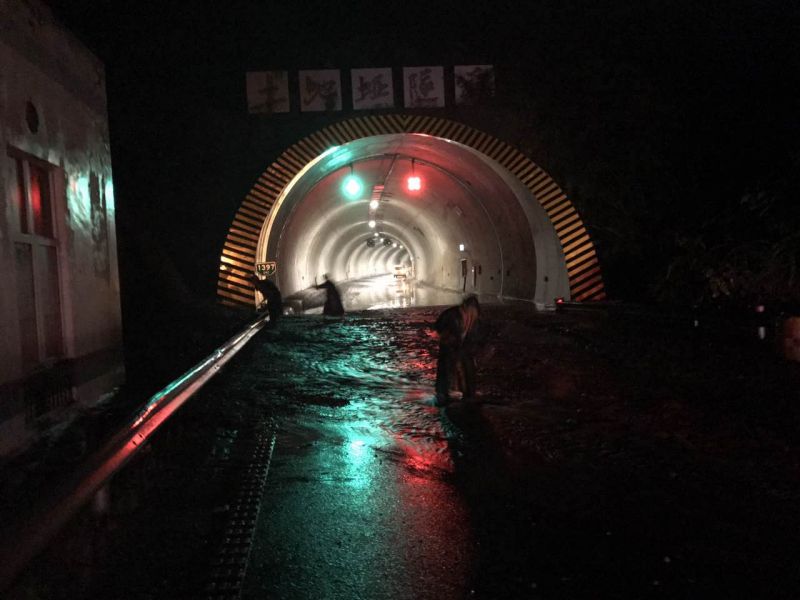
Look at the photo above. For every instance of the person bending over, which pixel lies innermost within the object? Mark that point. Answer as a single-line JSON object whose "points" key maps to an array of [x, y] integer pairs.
{"points": [[333, 301], [272, 295], [459, 337]]}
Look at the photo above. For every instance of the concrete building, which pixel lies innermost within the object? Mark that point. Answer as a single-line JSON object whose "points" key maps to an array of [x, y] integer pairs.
{"points": [[60, 316]]}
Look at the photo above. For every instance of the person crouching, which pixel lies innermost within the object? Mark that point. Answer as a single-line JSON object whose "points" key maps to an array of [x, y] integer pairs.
{"points": [[459, 336]]}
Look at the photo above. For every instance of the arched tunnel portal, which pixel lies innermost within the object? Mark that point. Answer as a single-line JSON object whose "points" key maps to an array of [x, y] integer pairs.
{"points": [[484, 220]]}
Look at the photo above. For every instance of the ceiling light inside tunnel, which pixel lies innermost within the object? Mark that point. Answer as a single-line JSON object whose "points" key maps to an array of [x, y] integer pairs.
{"points": [[371, 224], [373, 204]]}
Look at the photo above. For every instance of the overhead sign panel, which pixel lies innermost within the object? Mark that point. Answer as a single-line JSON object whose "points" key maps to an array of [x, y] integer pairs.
{"points": [[423, 87], [372, 88], [320, 90], [474, 83], [267, 92]]}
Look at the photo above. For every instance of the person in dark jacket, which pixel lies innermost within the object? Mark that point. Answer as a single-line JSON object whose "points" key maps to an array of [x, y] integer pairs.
{"points": [[459, 337], [272, 295], [333, 301]]}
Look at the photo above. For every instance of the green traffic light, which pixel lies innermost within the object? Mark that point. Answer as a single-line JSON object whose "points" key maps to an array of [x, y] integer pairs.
{"points": [[352, 187]]}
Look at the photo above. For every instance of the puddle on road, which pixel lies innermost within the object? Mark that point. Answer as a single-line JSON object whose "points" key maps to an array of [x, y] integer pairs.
{"points": [[368, 379]]}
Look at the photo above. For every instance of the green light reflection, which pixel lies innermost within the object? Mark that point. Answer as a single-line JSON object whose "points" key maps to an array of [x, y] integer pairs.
{"points": [[339, 157], [359, 457]]}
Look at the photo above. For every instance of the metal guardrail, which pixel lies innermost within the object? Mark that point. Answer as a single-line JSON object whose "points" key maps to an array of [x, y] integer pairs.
{"points": [[31, 534]]}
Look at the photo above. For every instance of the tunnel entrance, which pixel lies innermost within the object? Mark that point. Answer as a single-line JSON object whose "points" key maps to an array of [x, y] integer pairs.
{"points": [[411, 200]]}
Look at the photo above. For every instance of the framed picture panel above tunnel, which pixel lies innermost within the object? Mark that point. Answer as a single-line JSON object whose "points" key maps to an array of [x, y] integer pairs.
{"points": [[267, 92], [320, 90], [372, 88], [573, 264]]}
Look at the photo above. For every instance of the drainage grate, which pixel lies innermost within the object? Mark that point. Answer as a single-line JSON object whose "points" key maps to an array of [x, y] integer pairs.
{"points": [[46, 391], [229, 566]]}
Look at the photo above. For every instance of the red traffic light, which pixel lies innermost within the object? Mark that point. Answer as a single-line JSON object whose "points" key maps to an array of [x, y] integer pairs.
{"points": [[414, 183]]}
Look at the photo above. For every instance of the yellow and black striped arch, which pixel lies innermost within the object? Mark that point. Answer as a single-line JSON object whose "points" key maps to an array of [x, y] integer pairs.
{"points": [[239, 251]]}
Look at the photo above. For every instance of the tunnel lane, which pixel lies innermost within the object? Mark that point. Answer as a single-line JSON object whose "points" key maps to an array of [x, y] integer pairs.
{"points": [[359, 502]]}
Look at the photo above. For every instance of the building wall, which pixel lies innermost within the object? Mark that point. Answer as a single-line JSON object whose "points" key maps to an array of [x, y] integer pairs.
{"points": [[54, 132]]}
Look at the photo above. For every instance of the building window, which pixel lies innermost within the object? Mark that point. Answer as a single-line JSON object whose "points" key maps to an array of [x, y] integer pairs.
{"points": [[36, 263]]}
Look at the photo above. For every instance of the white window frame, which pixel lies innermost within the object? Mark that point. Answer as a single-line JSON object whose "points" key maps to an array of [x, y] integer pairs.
{"points": [[39, 244]]}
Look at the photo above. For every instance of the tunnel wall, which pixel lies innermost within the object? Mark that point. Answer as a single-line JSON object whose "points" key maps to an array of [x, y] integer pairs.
{"points": [[238, 256]]}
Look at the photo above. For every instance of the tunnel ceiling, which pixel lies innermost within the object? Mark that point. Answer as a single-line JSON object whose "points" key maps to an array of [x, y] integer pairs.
{"points": [[321, 228], [317, 228], [468, 197]]}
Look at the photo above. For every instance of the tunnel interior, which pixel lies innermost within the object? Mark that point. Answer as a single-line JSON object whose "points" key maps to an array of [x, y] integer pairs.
{"points": [[444, 214]]}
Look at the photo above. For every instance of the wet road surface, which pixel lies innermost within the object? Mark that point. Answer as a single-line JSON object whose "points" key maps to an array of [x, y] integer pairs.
{"points": [[606, 457], [360, 501], [595, 464]]}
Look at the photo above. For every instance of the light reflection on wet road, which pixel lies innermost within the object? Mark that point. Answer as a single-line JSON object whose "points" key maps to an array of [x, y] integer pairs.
{"points": [[359, 502]]}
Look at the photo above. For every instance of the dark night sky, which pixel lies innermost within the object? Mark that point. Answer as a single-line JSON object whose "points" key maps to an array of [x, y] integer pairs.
{"points": [[678, 103]]}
